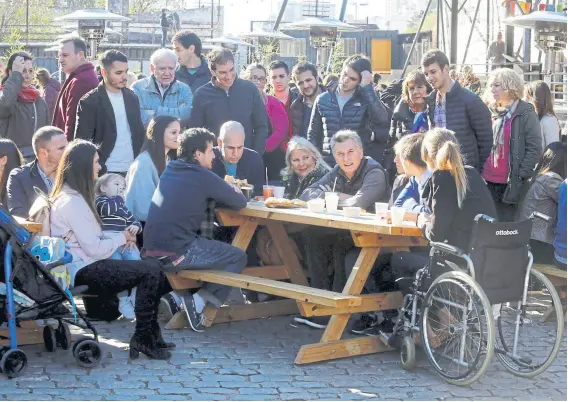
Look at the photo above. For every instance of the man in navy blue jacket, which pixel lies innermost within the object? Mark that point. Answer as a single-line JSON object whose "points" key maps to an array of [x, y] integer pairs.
{"points": [[233, 159], [175, 217], [227, 97]]}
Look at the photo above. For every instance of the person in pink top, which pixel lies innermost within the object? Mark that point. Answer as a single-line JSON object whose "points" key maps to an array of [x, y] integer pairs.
{"points": [[517, 143], [73, 216], [274, 157]]}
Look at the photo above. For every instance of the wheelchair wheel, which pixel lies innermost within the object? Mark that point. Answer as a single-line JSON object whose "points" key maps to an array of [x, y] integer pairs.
{"points": [[530, 336], [457, 328], [408, 353]]}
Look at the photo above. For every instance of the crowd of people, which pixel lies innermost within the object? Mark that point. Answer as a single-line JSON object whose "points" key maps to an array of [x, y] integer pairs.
{"points": [[134, 170]]}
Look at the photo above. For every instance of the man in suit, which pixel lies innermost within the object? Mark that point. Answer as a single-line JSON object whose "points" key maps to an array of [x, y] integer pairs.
{"points": [[48, 143], [109, 116]]}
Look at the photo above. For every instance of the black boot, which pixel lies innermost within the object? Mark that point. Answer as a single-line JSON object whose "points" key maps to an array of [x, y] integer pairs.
{"points": [[160, 342], [144, 340]]}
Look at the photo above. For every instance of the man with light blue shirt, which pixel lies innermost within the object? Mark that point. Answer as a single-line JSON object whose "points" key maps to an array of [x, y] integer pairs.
{"points": [[161, 94], [408, 149]]}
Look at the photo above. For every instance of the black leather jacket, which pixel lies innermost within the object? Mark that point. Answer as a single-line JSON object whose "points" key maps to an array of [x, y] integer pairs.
{"points": [[363, 113]]}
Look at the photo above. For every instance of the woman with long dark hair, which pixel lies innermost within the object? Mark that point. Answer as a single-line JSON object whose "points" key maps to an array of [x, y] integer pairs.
{"points": [[10, 158], [144, 173], [543, 197], [538, 94], [74, 217], [22, 110], [48, 88]]}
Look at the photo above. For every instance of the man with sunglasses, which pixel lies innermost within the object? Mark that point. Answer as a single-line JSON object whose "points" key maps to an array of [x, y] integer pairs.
{"points": [[228, 98]]}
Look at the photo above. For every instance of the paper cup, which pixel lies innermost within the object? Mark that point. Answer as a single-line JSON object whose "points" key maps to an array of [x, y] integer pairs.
{"points": [[397, 216], [331, 201], [279, 191], [381, 209]]}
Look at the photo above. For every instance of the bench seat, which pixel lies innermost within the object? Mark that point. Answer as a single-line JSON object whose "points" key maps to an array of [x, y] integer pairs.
{"points": [[550, 270], [283, 289]]}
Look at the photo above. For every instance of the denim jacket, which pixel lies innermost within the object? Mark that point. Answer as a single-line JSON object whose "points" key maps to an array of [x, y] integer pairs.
{"points": [[176, 101]]}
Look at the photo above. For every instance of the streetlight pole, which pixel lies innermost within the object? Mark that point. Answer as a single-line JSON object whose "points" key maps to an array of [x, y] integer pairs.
{"points": [[27, 21]]}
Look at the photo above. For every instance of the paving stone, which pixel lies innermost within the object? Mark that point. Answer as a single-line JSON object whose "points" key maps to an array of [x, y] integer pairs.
{"points": [[253, 391], [301, 396], [259, 397], [26, 397]]}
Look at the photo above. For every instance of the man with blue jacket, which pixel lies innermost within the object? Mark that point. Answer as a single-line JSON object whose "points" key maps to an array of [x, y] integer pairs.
{"points": [[160, 93], [176, 213], [227, 98]]}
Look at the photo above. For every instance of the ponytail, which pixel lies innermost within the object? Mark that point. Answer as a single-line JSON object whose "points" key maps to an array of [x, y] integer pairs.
{"points": [[449, 158], [441, 148]]}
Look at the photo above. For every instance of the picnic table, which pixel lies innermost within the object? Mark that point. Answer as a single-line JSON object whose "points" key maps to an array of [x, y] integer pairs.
{"points": [[368, 232]]}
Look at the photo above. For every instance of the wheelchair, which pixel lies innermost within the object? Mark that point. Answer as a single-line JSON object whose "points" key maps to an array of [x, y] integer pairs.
{"points": [[467, 307]]}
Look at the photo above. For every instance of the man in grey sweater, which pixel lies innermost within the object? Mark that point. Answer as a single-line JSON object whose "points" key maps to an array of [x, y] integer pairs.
{"points": [[360, 182]]}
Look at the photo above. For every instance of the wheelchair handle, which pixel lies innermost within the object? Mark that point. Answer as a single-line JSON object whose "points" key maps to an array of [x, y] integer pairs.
{"points": [[67, 259], [544, 217]]}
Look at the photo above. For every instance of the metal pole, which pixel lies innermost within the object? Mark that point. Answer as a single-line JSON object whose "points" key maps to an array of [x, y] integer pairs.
{"points": [[438, 26], [212, 17], [471, 31], [280, 14], [488, 16], [27, 21], [454, 33], [442, 10], [416, 35], [342, 11], [509, 32]]}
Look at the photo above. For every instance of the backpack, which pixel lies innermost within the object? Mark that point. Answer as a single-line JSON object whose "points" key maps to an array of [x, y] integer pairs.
{"points": [[40, 213]]}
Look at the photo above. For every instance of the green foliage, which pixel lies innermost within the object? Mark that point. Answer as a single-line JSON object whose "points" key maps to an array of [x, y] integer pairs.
{"points": [[40, 18], [414, 23], [15, 41], [267, 52], [337, 58]]}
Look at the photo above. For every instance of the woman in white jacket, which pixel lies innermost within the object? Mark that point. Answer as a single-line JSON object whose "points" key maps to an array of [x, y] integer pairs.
{"points": [[538, 94], [73, 216]]}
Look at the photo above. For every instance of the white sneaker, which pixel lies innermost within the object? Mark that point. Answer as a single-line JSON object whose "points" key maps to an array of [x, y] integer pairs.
{"points": [[126, 308]]}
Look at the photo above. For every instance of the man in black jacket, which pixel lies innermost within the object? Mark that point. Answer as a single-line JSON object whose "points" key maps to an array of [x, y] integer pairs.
{"points": [[458, 109], [109, 116], [354, 106], [193, 69], [48, 143], [165, 24], [306, 78], [234, 159], [226, 98]]}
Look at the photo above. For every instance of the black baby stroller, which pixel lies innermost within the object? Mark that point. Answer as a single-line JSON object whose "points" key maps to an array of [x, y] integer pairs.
{"points": [[468, 306], [45, 298]]}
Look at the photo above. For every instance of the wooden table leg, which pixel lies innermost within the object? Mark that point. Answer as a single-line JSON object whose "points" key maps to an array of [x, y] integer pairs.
{"points": [[286, 252], [330, 345]]}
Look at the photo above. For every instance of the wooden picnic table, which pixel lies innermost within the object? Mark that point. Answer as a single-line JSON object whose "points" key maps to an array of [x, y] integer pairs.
{"points": [[32, 227], [368, 232]]}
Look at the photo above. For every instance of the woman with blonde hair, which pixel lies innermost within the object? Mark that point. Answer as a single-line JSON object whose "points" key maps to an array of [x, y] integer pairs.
{"points": [[517, 141], [304, 166], [538, 94]]}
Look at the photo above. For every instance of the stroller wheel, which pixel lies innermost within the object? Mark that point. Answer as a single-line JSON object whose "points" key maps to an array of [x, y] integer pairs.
{"points": [[408, 353], [13, 363], [49, 339], [63, 336], [87, 353], [78, 341]]}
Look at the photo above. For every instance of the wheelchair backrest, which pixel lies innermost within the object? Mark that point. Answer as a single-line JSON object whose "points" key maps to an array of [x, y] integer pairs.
{"points": [[499, 251]]}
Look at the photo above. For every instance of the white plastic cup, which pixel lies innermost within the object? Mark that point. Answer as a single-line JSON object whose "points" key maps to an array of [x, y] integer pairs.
{"points": [[381, 209], [331, 201], [316, 205], [397, 216], [279, 191]]}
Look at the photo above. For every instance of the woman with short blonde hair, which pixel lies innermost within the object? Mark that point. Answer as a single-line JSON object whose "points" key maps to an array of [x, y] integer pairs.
{"points": [[304, 166], [517, 141]]}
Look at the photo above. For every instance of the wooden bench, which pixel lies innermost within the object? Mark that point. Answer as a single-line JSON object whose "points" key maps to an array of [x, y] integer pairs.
{"points": [[557, 278], [277, 288]]}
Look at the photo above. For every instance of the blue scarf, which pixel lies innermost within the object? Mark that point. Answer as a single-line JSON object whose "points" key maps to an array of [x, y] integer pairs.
{"points": [[421, 122]]}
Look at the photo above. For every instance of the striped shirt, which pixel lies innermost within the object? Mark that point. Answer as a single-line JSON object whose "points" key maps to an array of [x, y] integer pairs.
{"points": [[114, 213]]}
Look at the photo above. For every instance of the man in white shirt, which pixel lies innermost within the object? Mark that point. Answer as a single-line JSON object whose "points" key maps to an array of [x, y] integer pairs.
{"points": [[109, 116]]}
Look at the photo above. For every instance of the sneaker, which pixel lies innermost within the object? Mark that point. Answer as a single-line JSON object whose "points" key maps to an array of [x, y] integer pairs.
{"points": [[126, 308], [365, 322], [196, 320], [168, 307], [386, 327], [314, 322]]}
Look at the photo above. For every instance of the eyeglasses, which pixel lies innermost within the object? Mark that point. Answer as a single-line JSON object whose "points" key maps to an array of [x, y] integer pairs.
{"points": [[259, 79]]}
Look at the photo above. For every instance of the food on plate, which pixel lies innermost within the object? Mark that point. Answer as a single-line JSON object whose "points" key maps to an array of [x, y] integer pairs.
{"points": [[273, 202], [237, 182]]}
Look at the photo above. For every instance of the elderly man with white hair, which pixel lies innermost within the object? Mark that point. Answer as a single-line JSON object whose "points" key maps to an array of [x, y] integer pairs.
{"points": [[161, 93], [233, 159]]}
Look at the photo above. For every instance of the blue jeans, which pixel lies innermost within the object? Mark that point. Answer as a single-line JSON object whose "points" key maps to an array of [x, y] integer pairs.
{"points": [[204, 253], [130, 254]]}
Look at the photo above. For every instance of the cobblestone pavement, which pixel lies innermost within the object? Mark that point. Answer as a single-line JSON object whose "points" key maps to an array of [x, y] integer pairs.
{"points": [[253, 360]]}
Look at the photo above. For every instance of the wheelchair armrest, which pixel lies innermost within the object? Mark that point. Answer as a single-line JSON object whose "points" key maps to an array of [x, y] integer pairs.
{"points": [[67, 259], [447, 248]]}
